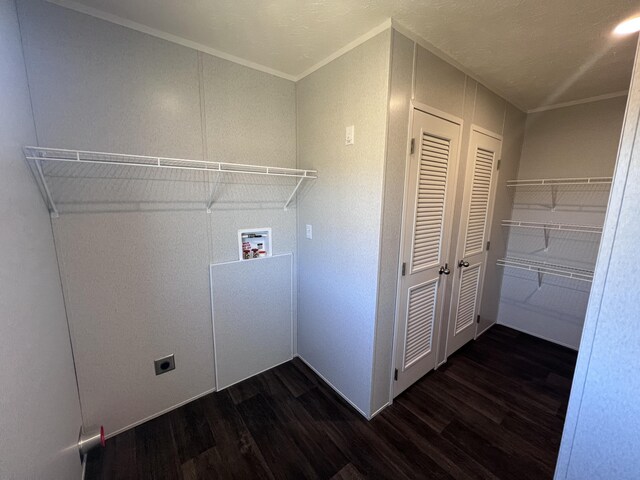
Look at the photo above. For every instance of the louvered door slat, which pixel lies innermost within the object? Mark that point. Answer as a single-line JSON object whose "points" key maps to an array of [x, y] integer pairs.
{"points": [[479, 204], [467, 297], [420, 316], [430, 201]]}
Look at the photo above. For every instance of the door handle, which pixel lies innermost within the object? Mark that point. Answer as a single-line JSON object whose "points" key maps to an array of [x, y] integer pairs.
{"points": [[463, 263], [444, 269]]}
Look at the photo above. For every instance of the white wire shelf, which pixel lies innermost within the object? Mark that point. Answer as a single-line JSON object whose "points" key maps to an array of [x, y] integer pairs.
{"points": [[37, 156], [544, 268], [560, 181], [563, 227], [561, 186]]}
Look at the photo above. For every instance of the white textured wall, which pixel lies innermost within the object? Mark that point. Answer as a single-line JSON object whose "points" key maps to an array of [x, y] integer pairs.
{"points": [[577, 141], [581, 140], [600, 439], [39, 408], [338, 268], [513, 137], [136, 281]]}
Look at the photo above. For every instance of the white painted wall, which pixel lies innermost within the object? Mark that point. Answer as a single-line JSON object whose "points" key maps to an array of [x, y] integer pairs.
{"points": [[579, 140], [338, 268], [576, 141], [600, 439], [39, 407], [513, 137], [135, 257]]}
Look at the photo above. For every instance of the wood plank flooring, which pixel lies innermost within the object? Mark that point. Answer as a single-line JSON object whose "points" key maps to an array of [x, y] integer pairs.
{"points": [[494, 411]]}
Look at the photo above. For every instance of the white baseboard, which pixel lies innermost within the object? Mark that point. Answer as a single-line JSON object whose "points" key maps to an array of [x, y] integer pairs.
{"points": [[155, 415], [537, 335], [334, 388], [488, 327], [440, 364], [219, 388], [379, 410], [84, 467]]}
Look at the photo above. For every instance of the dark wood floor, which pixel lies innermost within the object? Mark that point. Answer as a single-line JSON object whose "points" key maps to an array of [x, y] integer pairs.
{"points": [[495, 410]]}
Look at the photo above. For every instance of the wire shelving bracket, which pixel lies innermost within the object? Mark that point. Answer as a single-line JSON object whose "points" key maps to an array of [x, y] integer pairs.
{"points": [[35, 156]]}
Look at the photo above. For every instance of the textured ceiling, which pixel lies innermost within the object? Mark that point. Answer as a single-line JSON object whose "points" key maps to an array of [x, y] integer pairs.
{"points": [[534, 52]]}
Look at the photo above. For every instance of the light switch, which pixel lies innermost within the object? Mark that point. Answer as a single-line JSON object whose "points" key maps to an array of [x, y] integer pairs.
{"points": [[309, 232], [349, 136]]}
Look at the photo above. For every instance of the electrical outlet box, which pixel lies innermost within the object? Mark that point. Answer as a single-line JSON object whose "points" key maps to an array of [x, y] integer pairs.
{"points": [[349, 137], [165, 364]]}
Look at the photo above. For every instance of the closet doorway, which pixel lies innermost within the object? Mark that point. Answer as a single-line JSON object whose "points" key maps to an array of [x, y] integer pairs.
{"points": [[430, 253]]}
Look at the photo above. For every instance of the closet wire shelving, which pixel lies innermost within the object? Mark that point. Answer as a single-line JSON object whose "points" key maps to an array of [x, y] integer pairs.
{"points": [[546, 268], [553, 184], [548, 227], [560, 227], [36, 156]]}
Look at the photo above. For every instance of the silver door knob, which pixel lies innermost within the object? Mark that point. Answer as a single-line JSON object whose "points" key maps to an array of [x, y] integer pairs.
{"points": [[444, 269], [463, 263]]}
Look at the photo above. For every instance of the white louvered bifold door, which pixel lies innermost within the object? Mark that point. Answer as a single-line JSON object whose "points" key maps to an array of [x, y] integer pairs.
{"points": [[427, 221], [475, 225]]}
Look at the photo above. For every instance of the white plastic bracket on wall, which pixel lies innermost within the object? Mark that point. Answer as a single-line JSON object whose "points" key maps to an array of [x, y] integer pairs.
{"points": [[52, 205], [546, 239], [286, 205], [213, 193]]}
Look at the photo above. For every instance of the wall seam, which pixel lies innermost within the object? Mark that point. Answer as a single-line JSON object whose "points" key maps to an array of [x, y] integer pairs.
{"points": [[208, 219], [297, 226], [383, 182], [504, 121], [53, 237], [203, 113]]}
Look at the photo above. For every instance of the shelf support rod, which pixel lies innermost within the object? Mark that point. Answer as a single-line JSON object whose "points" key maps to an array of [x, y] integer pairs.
{"points": [[553, 198], [546, 239], [293, 193], [539, 279], [213, 192], [52, 205]]}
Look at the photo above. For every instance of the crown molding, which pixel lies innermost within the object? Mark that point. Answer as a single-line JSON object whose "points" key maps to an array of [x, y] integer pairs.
{"points": [[123, 22], [94, 12], [597, 98], [348, 47]]}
